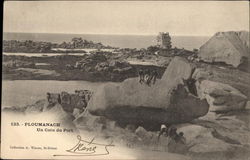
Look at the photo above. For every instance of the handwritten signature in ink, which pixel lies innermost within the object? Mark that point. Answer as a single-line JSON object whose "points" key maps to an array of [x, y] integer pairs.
{"points": [[88, 148]]}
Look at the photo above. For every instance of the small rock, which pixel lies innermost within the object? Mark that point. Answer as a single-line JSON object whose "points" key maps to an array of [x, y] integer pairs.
{"points": [[141, 132], [131, 127], [37, 107], [76, 112]]}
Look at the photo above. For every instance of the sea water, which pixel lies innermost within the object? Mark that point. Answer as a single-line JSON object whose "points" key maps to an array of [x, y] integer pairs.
{"points": [[23, 92], [122, 41]]}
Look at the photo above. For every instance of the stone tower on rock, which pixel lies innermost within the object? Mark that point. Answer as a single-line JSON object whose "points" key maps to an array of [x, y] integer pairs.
{"points": [[164, 40]]}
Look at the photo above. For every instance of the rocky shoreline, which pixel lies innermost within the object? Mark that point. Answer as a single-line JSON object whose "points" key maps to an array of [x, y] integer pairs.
{"points": [[95, 67], [208, 102], [212, 128]]}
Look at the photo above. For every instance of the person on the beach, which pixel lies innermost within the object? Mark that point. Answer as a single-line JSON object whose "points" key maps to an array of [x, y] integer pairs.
{"points": [[180, 138], [177, 143], [172, 132], [59, 99], [163, 131], [48, 97]]}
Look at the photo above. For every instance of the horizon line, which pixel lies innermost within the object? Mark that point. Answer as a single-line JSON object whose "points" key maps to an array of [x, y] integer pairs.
{"points": [[113, 34]]}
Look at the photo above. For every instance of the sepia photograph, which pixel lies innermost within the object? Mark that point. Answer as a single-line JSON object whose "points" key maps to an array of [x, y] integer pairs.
{"points": [[127, 80]]}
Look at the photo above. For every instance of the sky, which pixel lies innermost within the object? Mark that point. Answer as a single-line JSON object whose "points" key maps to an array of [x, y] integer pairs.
{"points": [[196, 18]]}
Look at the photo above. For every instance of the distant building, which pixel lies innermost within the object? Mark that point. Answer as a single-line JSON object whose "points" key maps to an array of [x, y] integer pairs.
{"points": [[164, 40]]}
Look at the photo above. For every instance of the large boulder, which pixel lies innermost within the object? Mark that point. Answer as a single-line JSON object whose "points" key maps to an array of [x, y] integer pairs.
{"points": [[218, 136], [221, 97], [237, 79], [229, 47], [225, 135], [201, 140], [167, 101]]}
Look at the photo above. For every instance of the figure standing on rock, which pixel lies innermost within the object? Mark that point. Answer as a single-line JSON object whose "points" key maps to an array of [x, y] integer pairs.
{"points": [[147, 76], [163, 131], [141, 76], [190, 85], [154, 76]]}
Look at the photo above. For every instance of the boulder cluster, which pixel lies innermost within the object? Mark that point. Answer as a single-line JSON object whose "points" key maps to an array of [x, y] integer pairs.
{"points": [[71, 103]]}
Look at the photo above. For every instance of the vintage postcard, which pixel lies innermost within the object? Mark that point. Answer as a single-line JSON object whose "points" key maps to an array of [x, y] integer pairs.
{"points": [[127, 80]]}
